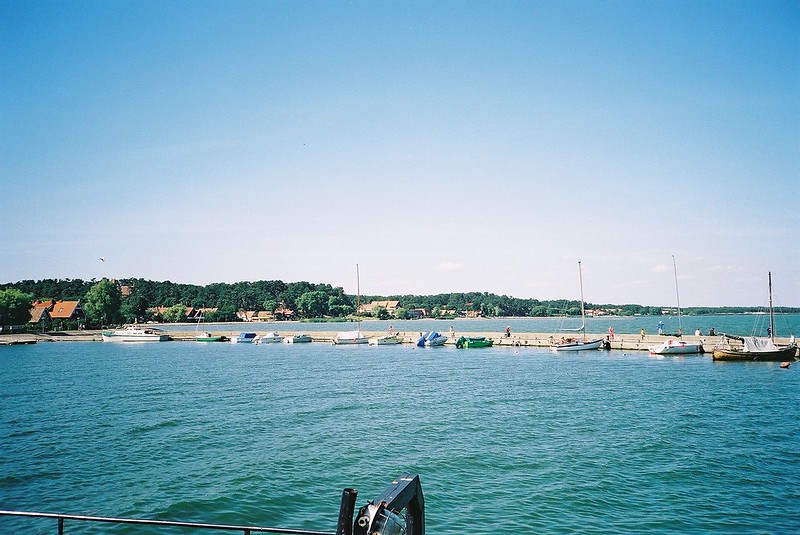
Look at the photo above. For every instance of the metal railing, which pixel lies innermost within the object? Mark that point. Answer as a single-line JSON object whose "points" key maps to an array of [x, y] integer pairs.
{"points": [[245, 530], [403, 494]]}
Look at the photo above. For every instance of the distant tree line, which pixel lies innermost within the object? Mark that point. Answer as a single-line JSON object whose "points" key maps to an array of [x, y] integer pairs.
{"points": [[105, 303]]}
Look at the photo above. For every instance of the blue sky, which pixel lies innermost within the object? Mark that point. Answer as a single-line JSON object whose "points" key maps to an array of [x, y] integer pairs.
{"points": [[442, 146]]}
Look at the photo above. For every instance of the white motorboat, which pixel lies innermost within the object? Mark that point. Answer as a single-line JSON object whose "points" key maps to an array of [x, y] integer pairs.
{"points": [[134, 333], [385, 340], [269, 338], [244, 338], [676, 347], [297, 339]]}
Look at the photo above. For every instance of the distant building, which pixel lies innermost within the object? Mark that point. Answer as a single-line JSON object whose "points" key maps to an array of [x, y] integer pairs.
{"points": [[390, 306], [284, 313], [198, 313], [246, 315]]}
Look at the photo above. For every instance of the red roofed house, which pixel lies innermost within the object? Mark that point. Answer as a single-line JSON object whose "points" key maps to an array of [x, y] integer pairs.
{"points": [[67, 310], [40, 310]]}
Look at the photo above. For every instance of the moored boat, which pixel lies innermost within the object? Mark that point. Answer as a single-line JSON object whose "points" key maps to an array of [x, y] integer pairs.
{"points": [[753, 348], [577, 344], [676, 347], [134, 333], [353, 337], [582, 343], [671, 346], [297, 339], [244, 338], [469, 342], [385, 340], [431, 339], [206, 336], [350, 337], [269, 338], [756, 348]]}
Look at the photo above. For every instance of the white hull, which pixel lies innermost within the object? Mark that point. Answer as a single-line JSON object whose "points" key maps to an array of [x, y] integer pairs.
{"points": [[676, 348], [244, 338], [350, 337], [133, 335], [438, 341], [300, 339], [350, 341], [384, 340], [579, 345], [270, 338]]}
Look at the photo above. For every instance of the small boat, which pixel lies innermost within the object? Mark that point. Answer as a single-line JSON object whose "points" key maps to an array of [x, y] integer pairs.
{"points": [[244, 338], [133, 333], [297, 339], [385, 340], [431, 339], [353, 337], [576, 344], [583, 343], [676, 347], [466, 342], [206, 336], [755, 348], [269, 338], [350, 337]]}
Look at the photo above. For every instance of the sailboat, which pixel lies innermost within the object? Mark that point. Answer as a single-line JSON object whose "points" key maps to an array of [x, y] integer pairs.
{"points": [[672, 346], [353, 337], [582, 343], [756, 348], [206, 336]]}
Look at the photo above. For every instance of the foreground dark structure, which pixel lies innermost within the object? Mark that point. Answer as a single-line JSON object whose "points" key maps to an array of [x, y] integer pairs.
{"points": [[398, 509]]}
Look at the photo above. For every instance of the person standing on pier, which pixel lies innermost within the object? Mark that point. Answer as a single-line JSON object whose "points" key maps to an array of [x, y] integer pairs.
{"points": [[660, 327]]}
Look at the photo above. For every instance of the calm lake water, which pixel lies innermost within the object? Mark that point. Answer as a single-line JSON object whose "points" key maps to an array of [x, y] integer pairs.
{"points": [[505, 440]]}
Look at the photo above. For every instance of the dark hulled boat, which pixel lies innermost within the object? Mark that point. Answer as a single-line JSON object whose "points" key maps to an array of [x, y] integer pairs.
{"points": [[755, 348]]}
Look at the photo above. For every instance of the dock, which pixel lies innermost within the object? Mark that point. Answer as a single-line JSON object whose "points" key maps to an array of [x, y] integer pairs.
{"points": [[621, 342]]}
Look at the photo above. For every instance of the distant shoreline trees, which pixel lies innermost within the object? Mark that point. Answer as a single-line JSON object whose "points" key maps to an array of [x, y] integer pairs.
{"points": [[130, 300]]}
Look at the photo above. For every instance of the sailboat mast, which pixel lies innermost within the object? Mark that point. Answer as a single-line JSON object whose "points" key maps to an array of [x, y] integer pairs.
{"points": [[677, 296], [358, 298], [771, 314], [583, 308]]}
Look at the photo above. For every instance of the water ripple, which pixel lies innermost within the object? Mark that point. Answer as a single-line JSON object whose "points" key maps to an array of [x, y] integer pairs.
{"points": [[506, 441]]}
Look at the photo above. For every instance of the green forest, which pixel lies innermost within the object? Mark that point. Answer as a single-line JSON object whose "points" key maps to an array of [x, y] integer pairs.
{"points": [[134, 300]]}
